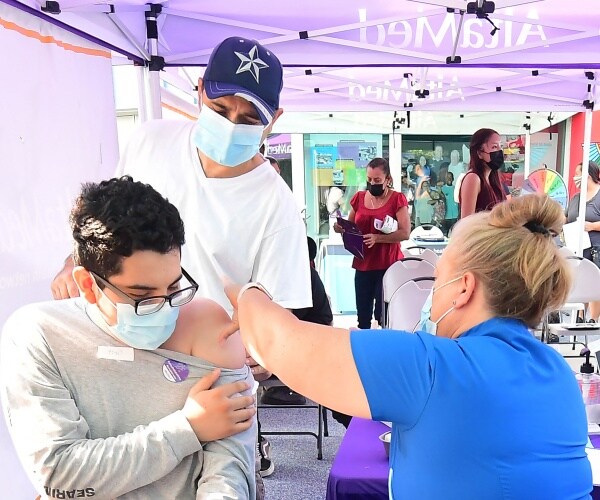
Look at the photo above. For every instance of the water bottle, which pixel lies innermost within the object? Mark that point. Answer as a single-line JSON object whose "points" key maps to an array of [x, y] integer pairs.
{"points": [[589, 383]]}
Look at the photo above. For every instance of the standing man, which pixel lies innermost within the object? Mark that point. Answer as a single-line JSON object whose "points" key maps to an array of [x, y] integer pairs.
{"points": [[240, 217], [439, 166]]}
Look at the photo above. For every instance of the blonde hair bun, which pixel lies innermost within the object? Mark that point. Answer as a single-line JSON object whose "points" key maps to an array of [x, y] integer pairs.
{"points": [[534, 212], [513, 254]]}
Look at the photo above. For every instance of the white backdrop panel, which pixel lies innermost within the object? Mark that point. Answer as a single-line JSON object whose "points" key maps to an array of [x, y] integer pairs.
{"points": [[57, 129]]}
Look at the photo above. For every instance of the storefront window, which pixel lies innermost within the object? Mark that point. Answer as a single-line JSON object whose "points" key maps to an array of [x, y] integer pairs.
{"points": [[279, 146], [335, 169], [433, 167]]}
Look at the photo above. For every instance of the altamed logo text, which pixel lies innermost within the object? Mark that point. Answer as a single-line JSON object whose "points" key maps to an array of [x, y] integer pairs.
{"points": [[425, 33]]}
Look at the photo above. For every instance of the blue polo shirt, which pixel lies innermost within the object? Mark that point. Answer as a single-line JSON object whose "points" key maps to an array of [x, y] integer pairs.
{"points": [[494, 414]]}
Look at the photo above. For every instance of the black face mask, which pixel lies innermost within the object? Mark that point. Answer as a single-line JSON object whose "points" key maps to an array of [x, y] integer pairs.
{"points": [[496, 160], [375, 189]]}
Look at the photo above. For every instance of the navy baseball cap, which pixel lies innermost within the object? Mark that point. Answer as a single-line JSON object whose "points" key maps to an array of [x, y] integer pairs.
{"points": [[242, 67]]}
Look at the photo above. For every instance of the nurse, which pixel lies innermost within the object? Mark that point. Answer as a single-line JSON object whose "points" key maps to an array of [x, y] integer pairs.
{"points": [[480, 408]]}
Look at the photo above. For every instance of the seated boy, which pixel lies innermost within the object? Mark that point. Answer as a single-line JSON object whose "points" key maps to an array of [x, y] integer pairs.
{"points": [[107, 395]]}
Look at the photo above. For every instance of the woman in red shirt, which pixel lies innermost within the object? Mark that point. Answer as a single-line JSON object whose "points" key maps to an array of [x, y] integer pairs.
{"points": [[381, 250]]}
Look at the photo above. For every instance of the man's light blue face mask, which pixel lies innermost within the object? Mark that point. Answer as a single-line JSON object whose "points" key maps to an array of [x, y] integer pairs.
{"points": [[229, 144], [426, 324]]}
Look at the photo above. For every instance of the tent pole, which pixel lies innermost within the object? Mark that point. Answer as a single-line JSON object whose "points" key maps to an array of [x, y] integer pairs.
{"points": [[156, 63], [395, 159], [298, 174], [527, 163], [140, 73], [155, 103], [566, 162], [587, 136]]}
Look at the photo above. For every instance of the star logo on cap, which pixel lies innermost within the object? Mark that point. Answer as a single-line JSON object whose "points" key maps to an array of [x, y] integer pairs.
{"points": [[251, 62]]}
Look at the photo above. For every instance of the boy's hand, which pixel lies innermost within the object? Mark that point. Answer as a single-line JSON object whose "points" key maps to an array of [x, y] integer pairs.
{"points": [[219, 412]]}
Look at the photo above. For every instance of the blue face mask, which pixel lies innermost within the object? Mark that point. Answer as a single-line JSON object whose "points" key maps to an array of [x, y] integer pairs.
{"points": [[227, 143], [426, 324], [147, 332]]}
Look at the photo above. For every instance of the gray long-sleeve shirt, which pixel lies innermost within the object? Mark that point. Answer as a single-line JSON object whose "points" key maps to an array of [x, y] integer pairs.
{"points": [[87, 422]]}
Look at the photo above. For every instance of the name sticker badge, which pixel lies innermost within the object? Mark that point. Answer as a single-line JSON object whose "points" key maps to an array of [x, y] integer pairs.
{"points": [[175, 371], [116, 353]]}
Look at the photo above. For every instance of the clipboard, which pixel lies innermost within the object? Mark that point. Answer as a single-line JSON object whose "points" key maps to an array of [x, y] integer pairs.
{"points": [[352, 238]]}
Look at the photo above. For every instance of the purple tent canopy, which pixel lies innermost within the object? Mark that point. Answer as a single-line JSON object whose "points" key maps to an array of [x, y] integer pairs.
{"points": [[351, 55]]}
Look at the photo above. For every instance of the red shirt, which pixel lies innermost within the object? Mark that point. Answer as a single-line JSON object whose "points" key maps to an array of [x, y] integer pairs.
{"points": [[381, 255]]}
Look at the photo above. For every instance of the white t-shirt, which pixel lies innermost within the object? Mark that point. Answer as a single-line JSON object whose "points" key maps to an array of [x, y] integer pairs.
{"points": [[246, 228]]}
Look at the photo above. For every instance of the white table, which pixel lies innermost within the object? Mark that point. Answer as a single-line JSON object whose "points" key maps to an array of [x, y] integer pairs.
{"points": [[334, 264], [437, 246]]}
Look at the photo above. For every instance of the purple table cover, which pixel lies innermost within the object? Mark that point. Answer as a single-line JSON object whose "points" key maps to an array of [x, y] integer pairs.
{"points": [[360, 469]]}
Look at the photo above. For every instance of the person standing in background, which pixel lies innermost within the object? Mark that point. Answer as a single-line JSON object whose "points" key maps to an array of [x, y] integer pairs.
{"points": [[456, 166], [438, 156], [381, 250], [274, 163], [451, 205], [592, 220], [423, 203], [439, 166], [407, 188], [481, 187]]}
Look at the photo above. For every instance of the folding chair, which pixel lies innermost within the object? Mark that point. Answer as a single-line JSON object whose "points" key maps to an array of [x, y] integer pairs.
{"points": [[405, 306], [585, 288], [423, 253], [399, 273], [411, 249], [322, 427]]}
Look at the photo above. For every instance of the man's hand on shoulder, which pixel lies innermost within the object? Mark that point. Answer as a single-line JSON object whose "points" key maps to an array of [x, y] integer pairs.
{"points": [[219, 412], [63, 285]]}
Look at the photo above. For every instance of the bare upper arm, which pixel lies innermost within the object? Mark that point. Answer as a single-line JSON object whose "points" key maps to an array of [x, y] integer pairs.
{"points": [[200, 325], [352, 215], [469, 191], [403, 219]]}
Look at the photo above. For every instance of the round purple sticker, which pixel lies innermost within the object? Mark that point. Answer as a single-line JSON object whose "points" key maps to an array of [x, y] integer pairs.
{"points": [[175, 371]]}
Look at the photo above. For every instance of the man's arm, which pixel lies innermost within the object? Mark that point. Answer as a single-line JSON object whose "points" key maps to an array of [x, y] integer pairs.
{"points": [[54, 441], [63, 285]]}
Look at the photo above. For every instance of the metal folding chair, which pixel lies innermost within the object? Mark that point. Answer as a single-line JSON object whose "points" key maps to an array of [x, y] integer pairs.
{"points": [[322, 426]]}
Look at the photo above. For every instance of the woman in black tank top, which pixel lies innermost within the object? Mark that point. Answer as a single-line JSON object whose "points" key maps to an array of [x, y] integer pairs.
{"points": [[481, 187]]}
